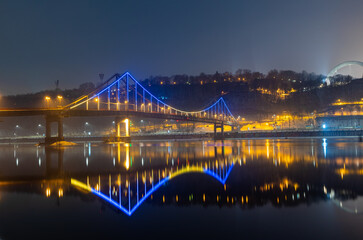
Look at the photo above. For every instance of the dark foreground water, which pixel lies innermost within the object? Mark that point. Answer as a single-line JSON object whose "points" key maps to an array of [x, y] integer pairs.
{"points": [[248, 189]]}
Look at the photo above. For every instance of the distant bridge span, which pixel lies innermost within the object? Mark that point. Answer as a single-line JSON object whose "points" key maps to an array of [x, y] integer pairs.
{"points": [[339, 66], [122, 96]]}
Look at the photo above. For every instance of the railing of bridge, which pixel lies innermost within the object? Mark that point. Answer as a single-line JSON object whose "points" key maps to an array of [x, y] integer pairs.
{"points": [[125, 93]]}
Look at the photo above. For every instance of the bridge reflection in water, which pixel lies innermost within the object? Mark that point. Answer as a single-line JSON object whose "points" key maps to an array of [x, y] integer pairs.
{"points": [[115, 186], [282, 172], [111, 188]]}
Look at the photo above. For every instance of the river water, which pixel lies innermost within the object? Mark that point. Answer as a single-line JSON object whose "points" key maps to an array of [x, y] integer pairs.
{"points": [[250, 189]]}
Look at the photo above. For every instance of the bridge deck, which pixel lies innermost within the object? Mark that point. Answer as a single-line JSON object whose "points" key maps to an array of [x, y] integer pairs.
{"points": [[105, 113]]}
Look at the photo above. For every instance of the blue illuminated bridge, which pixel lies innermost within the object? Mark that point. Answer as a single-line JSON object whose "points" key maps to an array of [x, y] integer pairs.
{"points": [[123, 97]]}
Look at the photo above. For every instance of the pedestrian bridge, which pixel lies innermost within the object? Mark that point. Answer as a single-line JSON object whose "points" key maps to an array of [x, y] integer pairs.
{"points": [[123, 97]]}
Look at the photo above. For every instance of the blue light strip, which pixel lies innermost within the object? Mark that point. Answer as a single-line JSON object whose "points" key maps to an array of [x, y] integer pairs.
{"points": [[119, 206], [136, 97], [229, 171], [148, 194], [96, 95], [221, 180], [107, 87], [127, 88], [106, 198], [228, 109], [213, 175], [118, 94]]}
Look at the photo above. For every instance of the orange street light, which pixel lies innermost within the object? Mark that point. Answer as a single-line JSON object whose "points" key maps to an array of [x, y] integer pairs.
{"points": [[47, 99], [60, 98]]}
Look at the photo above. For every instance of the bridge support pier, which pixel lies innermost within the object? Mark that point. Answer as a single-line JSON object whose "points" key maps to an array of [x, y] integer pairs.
{"points": [[49, 119], [118, 124], [216, 127]]}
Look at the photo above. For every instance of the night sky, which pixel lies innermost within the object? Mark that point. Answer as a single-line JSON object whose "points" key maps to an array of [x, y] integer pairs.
{"points": [[73, 41]]}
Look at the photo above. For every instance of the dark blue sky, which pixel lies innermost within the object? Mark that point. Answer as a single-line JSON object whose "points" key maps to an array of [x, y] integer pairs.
{"points": [[74, 41]]}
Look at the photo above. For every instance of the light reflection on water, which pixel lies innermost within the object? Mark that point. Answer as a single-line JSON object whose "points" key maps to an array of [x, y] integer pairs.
{"points": [[245, 173]]}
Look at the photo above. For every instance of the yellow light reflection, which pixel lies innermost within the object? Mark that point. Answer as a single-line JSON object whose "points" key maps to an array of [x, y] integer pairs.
{"points": [[60, 192], [127, 160], [81, 185], [47, 192]]}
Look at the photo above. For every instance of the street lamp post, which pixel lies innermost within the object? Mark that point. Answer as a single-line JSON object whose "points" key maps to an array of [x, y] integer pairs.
{"points": [[97, 100], [15, 130], [143, 107], [39, 129], [47, 100], [60, 98], [85, 128]]}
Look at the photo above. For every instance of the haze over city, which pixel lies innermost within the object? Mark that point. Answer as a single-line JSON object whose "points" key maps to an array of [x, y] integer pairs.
{"points": [[74, 41]]}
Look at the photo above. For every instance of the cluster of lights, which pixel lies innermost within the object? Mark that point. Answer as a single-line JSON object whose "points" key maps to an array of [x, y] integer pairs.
{"points": [[48, 192], [48, 99]]}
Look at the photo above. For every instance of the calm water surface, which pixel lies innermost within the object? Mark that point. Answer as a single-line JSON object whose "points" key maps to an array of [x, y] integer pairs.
{"points": [[251, 189]]}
